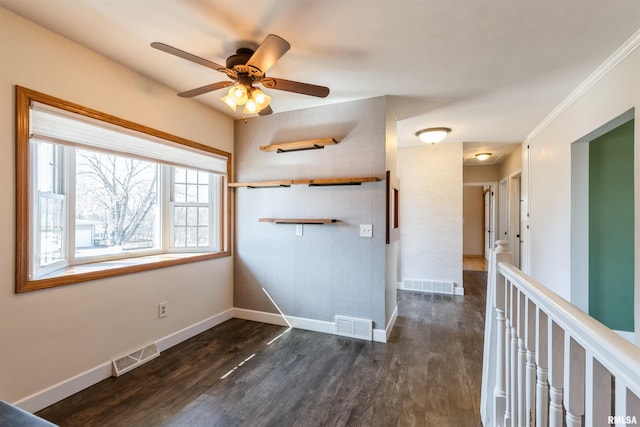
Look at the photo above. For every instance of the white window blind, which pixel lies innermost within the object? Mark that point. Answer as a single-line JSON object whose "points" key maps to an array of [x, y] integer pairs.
{"points": [[63, 127]]}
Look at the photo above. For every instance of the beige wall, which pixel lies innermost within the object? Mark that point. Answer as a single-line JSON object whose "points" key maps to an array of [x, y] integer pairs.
{"points": [[481, 174], [473, 220], [50, 336], [512, 164]]}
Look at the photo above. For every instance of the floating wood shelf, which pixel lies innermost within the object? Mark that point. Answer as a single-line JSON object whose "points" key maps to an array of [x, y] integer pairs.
{"points": [[299, 220], [309, 182], [311, 144]]}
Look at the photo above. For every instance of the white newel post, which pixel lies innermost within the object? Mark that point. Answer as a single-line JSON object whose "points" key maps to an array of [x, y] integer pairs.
{"points": [[500, 254]]}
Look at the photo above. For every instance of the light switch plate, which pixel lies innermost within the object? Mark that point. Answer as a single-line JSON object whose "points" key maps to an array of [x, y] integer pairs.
{"points": [[298, 229], [366, 230]]}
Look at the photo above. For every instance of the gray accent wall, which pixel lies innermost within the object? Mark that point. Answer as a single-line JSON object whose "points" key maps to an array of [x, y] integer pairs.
{"points": [[329, 270]]}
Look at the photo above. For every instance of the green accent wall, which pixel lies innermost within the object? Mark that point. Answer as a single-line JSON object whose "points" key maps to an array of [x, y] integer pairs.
{"points": [[611, 236]]}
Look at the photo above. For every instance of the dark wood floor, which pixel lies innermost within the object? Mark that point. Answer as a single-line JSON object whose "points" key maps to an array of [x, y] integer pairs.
{"points": [[428, 374]]}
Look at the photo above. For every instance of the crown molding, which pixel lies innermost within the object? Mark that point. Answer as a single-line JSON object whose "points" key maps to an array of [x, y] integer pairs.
{"points": [[618, 56]]}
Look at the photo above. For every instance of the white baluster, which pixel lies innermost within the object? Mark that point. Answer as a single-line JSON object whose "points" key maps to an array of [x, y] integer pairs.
{"points": [[522, 416], [542, 386], [507, 355], [514, 354], [597, 393], [574, 372], [556, 373], [530, 342]]}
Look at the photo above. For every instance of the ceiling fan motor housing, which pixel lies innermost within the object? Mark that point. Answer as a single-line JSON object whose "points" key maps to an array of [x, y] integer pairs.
{"points": [[241, 57]]}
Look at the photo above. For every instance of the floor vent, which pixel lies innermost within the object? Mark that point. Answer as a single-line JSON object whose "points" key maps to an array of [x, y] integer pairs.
{"points": [[431, 286], [354, 328], [135, 359]]}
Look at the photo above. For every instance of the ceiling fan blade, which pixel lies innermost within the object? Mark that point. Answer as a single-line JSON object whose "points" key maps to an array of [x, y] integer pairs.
{"points": [[189, 57], [297, 87], [205, 89], [265, 111], [269, 51]]}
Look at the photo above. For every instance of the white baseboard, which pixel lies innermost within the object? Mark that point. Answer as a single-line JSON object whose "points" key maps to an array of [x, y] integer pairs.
{"points": [[382, 336], [323, 326], [259, 316], [66, 388], [63, 389]]}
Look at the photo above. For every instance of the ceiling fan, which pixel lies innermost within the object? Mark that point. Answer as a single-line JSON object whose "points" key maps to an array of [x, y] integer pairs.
{"points": [[246, 68]]}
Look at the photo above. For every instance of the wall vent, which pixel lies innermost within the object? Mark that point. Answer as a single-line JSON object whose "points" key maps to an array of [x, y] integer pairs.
{"points": [[431, 286], [135, 359], [354, 328]]}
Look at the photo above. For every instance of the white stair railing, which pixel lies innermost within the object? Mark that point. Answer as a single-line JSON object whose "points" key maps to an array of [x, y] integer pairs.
{"points": [[547, 363]]}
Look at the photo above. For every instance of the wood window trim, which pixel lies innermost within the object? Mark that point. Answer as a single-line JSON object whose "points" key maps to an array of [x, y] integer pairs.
{"points": [[23, 283]]}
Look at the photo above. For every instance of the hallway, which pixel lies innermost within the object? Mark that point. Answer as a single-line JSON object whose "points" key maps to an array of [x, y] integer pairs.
{"points": [[428, 374]]}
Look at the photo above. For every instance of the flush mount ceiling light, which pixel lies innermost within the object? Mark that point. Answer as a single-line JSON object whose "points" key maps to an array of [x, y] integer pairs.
{"points": [[432, 135], [483, 156]]}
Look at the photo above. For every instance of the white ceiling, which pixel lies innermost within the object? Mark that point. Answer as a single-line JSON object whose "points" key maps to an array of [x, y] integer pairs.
{"points": [[489, 69]]}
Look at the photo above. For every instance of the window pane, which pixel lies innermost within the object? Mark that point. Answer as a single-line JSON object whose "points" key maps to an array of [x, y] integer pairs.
{"points": [[192, 236], [192, 193], [51, 229], [203, 193], [48, 169], [203, 236], [116, 204], [180, 217], [180, 175], [180, 236], [203, 216]]}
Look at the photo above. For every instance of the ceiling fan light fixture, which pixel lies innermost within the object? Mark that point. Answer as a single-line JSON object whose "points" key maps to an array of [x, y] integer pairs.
{"points": [[229, 102], [483, 156], [250, 107], [432, 135], [262, 99], [239, 94]]}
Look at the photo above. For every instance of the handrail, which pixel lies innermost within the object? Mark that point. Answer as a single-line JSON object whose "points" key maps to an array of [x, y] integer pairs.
{"points": [[621, 357], [548, 363]]}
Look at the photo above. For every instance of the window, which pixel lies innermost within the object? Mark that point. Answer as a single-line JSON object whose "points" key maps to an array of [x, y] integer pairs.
{"points": [[98, 196]]}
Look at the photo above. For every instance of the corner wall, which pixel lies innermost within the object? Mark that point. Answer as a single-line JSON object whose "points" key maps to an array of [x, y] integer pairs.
{"points": [[50, 337], [329, 270]]}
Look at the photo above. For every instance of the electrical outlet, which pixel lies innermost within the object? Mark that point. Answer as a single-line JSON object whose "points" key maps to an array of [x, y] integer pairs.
{"points": [[366, 230], [162, 310]]}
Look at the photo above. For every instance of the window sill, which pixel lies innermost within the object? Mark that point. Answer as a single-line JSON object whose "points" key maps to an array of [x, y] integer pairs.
{"points": [[100, 270]]}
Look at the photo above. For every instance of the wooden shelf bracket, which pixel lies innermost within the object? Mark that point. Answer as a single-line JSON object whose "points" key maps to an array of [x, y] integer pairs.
{"points": [[311, 144]]}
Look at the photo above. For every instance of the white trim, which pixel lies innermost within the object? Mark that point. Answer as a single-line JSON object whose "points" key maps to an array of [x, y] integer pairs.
{"points": [[259, 316], [66, 388], [380, 335], [623, 51]]}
